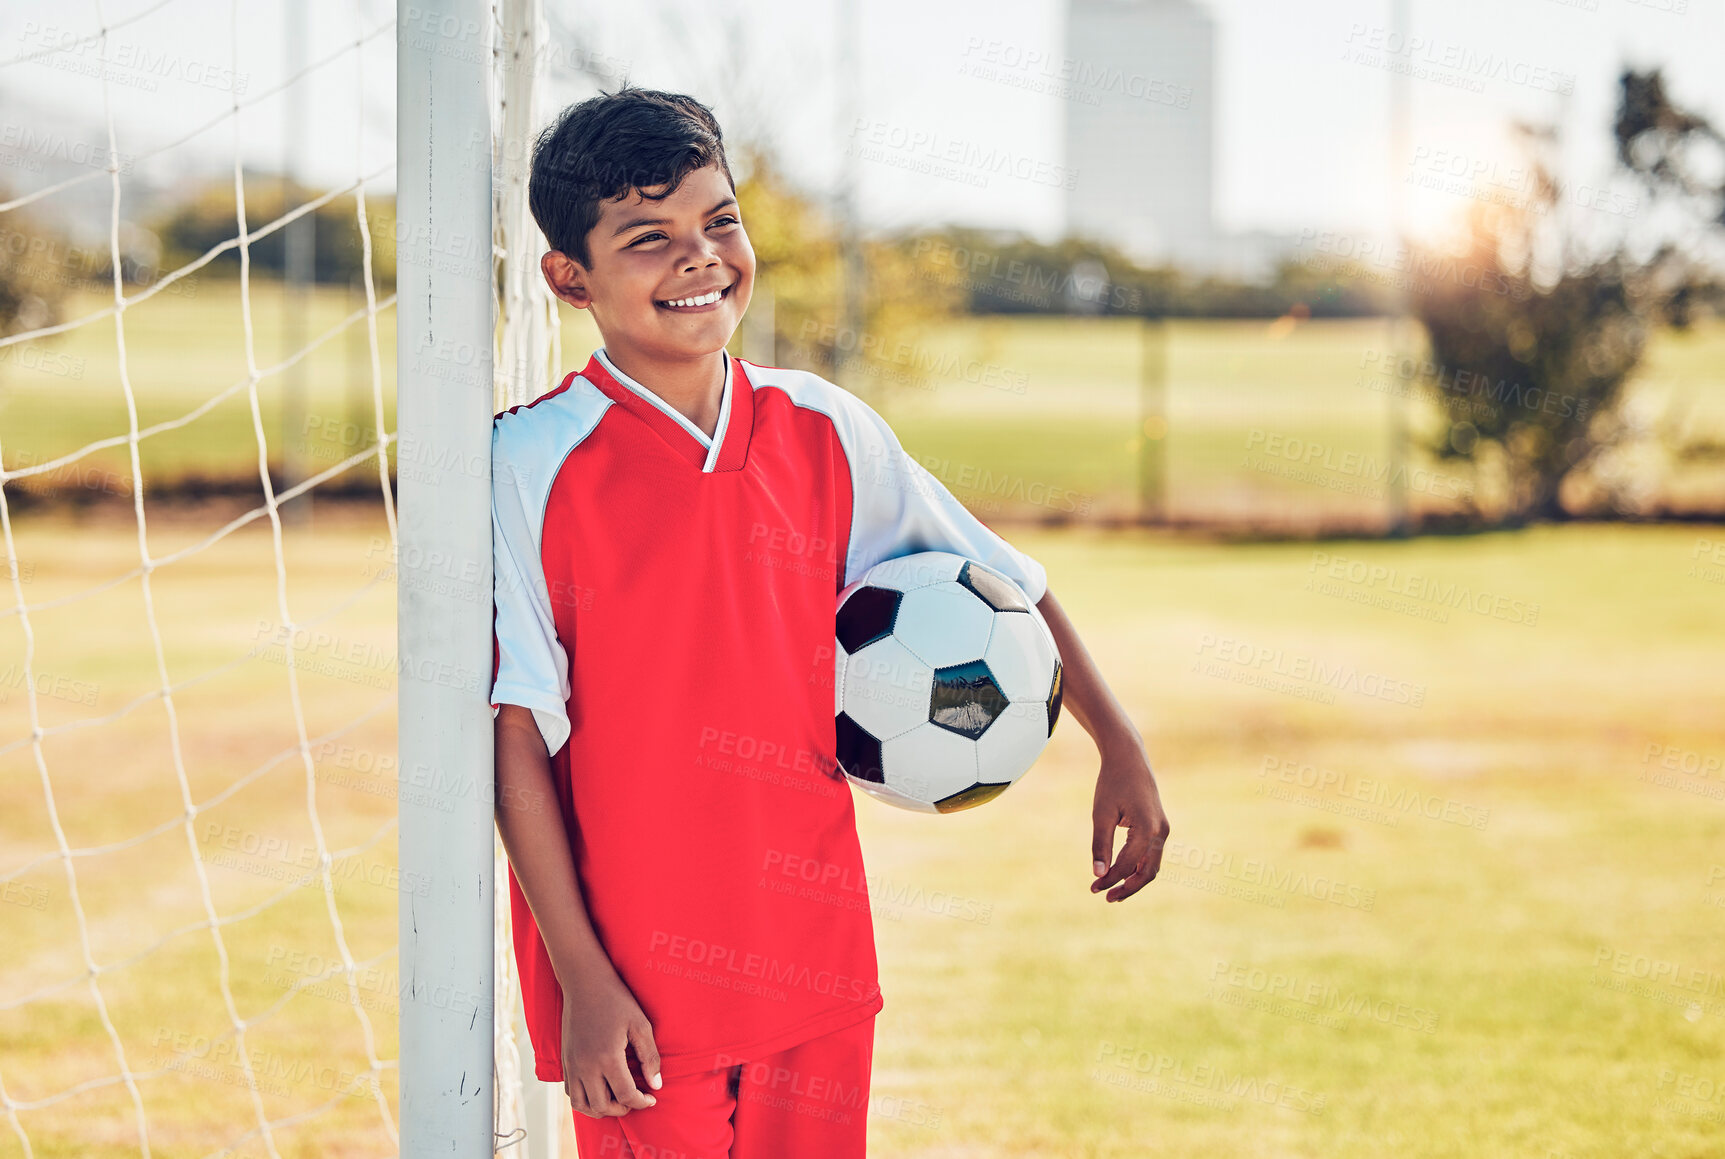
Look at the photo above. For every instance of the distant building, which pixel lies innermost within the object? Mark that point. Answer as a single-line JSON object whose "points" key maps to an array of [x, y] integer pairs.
{"points": [[1140, 134]]}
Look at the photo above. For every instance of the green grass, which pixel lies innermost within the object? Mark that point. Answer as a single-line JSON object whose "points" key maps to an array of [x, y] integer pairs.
{"points": [[1076, 424], [65, 392], [1241, 396], [1039, 417], [1024, 1016]]}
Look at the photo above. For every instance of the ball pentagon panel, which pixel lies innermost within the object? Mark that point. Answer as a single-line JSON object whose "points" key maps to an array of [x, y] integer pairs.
{"points": [[858, 749], [971, 797], [992, 588], [867, 615], [1054, 699], [966, 699]]}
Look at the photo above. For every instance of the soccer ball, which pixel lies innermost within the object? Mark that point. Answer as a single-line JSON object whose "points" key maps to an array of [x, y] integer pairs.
{"points": [[946, 682]]}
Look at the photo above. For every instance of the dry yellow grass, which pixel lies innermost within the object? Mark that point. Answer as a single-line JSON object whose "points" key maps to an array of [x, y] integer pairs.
{"points": [[1457, 909]]}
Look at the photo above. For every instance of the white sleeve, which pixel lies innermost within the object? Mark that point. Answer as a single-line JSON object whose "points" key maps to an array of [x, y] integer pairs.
{"points": [[898, 508], [532, 667]]}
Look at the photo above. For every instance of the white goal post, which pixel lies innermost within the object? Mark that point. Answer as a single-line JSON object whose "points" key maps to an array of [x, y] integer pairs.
{"points": [[467, 258], [444, 301]]}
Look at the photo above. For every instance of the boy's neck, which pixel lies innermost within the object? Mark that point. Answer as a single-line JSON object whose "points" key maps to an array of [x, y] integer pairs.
{"points": [[693, 387]]}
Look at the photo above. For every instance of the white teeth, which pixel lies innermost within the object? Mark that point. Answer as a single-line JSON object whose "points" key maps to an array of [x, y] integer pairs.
{"points": [[703, 300]]}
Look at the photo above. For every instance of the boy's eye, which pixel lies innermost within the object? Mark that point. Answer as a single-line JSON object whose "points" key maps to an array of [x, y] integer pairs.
{"points": [[720, 220]]}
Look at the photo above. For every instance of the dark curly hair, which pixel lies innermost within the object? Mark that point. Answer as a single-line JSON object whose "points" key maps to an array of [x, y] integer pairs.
{"points": [[613, 144]]}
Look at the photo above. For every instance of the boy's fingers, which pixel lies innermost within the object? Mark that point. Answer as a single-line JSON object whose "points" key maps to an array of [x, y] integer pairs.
{"points": [[623, 1084], [1102, 839], [1102, 850], [578, 1098], [1153, 855], [1131, 854], [600, 1104], [1144, 868], [1139, 879], [647, 1051]]}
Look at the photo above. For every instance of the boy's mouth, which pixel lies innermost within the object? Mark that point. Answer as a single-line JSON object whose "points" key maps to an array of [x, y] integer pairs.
{"points": [[696, 303]]}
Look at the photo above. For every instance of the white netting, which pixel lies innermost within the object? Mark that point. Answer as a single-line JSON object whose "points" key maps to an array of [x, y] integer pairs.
{"points": [[81, 865]]}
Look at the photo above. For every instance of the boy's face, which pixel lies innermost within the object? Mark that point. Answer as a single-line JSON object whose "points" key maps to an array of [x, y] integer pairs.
{"points": [[647, 254]]}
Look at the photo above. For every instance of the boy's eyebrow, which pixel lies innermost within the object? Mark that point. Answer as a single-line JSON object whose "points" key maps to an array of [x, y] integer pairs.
{"points": [[627, 226]]}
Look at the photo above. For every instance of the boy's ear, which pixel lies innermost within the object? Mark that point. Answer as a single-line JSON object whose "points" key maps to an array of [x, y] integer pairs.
{"points": [[566, 278]]}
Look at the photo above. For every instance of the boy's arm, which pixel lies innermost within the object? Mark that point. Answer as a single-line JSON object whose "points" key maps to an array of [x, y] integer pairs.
{"points": [[538, 849], [529, 698], [1125, 788], [899, 507]]}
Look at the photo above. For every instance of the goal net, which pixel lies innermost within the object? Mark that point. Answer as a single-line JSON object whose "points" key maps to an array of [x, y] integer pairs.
{"points": [[248, 861]]}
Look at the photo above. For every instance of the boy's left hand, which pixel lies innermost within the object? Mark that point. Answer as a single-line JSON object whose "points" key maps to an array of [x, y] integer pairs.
{"points": [[1126, 795]]}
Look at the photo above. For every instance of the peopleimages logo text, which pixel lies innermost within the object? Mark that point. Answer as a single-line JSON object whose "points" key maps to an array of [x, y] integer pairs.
{"points": [[724, 959]]}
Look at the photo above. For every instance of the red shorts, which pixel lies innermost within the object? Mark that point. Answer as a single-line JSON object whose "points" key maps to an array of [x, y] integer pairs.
{"points": [[809, 1101]]}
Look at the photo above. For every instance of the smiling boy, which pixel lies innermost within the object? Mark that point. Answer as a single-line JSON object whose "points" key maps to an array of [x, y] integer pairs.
{"points": [[668, 683]]}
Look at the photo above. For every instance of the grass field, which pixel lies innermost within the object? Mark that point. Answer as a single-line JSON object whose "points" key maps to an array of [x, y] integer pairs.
{"points": [[1453, 905], [1021, 417]]}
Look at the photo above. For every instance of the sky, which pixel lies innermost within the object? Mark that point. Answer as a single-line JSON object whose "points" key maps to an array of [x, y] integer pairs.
{"points": [[1302, 127]]}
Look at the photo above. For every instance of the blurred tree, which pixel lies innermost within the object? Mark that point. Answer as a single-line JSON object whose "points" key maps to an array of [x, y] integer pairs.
{"points": [[1532, 340], [995, 272], [1674, 151], [797, 254], [1679, 159], [1529, 375], [207, 220], [35, 274]]}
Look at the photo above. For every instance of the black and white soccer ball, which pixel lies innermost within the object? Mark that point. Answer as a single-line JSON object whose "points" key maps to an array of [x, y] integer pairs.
{"points": [[947, 682]]}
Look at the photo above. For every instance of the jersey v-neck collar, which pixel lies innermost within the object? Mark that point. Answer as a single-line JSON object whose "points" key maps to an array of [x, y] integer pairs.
{"points": [[721, 452]]}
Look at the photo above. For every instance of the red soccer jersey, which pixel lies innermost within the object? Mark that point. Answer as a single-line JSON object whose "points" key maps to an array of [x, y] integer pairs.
{"points": [[665, 607]]}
